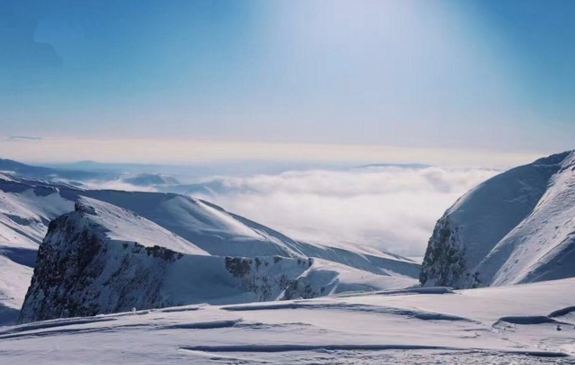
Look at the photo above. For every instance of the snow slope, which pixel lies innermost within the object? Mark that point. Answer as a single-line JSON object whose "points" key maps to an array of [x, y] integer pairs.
{"points": [[221, 233], [27, 206], [104, 259], [515, 228], [505, 325]]}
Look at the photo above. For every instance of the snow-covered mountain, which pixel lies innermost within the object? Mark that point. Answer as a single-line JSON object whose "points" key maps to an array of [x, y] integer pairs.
{"points": [[18, 169], [27, 206], [148, 179], [517, 227], [104, 259]]}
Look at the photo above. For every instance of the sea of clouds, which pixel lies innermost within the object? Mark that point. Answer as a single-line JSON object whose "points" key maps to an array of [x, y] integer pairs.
{"points": [[389, 207]]}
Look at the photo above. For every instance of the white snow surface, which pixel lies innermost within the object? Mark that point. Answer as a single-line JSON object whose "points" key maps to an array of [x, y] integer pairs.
{"points": [[122, 225], [542, 247], [517, 227], [503, 325]]}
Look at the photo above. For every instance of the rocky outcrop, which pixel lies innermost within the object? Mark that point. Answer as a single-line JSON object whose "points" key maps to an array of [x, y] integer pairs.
{"points": [[444, 262], [80, 272], [266, 277], [83, 269]]}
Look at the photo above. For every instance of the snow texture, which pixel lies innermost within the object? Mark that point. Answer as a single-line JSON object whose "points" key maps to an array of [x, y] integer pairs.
{"points": [[504, 325], [517, 227]]}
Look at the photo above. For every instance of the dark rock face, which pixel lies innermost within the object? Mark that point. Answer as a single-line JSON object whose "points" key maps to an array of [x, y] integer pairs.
{"points": [[78, 273], [444, 260], [302, 288], [268, 278], [238, 266]]}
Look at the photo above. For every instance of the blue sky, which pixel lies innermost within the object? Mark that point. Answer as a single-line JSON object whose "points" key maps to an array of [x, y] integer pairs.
{"points": [[259, 77]]}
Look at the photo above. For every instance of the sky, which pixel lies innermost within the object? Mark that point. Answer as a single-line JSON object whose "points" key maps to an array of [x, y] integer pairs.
{"points": [[479, 82]]}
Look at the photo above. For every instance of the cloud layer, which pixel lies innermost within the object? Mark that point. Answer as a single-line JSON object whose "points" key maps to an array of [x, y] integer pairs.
{"points": [[391, 208]]}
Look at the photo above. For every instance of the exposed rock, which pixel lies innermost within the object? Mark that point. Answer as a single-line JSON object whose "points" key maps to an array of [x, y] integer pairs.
{"points": [[83, 269]]}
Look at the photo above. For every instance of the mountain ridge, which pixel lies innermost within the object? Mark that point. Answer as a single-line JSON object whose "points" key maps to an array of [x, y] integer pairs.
{"points": [[490, 235], [101, 259], [28, 205]]}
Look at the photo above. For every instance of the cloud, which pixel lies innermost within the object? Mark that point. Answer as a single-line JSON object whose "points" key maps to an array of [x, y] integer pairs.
{"points": [[24, 138], [112, 185], [389, 208]]}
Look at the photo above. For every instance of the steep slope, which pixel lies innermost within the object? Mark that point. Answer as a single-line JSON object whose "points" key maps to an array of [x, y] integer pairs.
{"points": [[25, 211], [104, 259], [209, 226], [515, 228], [14, 279], [221, 233]]}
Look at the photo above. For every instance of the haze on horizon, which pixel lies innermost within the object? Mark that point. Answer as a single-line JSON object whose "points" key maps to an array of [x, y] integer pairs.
{"points": [[468, 83]]}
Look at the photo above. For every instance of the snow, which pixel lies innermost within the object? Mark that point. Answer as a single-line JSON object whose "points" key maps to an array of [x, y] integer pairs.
{"points": [[13, 277], [24, 216], [517, 227], [503, 325], [343, 278], [92, 261], [121, 225], [542, 246], [181, 223], [103, 259], [240, 293]]}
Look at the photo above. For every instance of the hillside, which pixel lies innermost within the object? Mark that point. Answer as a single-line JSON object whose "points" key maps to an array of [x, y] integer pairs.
{"points": [[29, 205], [515, 228], [104, 259]]}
